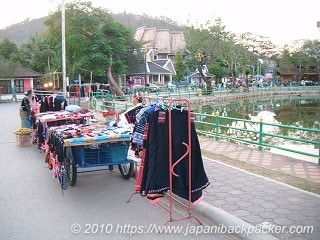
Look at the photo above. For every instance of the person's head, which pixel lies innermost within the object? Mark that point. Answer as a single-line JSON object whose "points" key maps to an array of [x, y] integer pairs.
{"points": [[60, 95], [138, 98], [29, 93]]}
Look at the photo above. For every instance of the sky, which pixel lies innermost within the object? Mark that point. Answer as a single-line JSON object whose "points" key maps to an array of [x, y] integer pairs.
{"points": [[281, 21]]}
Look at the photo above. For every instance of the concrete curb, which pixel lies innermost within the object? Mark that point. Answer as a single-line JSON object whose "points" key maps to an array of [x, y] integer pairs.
{"points": [[230, 223]]}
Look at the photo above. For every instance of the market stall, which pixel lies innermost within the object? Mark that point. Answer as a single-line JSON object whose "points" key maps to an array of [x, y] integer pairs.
{"points": [[45, 120]]}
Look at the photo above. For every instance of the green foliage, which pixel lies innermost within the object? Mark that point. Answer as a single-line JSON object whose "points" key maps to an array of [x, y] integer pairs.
{"points": [[219, 70], [179, 66], [301, 60], [8, 49], [96, 39]]}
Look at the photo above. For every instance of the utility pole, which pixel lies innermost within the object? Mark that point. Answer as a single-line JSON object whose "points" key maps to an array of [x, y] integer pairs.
{"points": [[63, 33], [318, 26]]}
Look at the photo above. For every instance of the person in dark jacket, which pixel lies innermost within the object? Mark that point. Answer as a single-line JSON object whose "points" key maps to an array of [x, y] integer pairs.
{"points": [[60, 102], [25, 110]]}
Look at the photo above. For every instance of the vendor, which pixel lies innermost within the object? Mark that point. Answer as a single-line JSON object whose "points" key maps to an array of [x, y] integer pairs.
{"points": [[138, 98], [26, 110]]}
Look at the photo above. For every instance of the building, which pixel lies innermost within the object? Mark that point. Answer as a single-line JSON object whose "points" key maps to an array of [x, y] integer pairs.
{"points": [[159, 48], [197, 79], [295, 75], [12, 74]]}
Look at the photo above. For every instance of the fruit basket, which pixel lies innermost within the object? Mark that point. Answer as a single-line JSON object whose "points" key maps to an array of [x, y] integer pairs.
{"points": [[23, 131], [23, 137]]}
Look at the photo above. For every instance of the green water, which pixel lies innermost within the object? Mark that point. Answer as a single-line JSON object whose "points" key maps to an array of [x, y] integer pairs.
{"points": [[301, 111]]}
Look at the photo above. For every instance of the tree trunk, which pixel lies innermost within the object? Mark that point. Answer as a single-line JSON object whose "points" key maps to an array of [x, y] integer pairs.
{"points": [[114, 87], [209, 84]]}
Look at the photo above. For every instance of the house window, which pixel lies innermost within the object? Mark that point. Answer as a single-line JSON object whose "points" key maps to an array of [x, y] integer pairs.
{"points": [[19, 84], [5, 87]]}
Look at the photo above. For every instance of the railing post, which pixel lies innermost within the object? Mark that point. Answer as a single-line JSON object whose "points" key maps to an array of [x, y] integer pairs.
{"points": [[113, 104], [94, 103], [217, 125], [260, 134], [319, 155]]}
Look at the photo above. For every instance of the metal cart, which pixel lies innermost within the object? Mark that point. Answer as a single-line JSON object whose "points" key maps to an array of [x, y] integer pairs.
{"points": [[91, 152], [92, 155]]}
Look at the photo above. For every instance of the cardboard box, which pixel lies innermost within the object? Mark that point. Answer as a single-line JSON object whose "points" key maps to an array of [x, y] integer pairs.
{"points": [[109, 114], [23, 140]]}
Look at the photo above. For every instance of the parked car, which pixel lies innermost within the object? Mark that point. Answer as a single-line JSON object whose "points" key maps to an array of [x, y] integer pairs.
{"points": [[240, 83], [137, 88], [307, 83], [182, 83], [151, 87]]}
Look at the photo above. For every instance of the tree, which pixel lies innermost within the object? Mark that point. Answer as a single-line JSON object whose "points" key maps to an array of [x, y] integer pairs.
{"points": [[8, 49], [94, 41], [219, 70], [303, 58], [179, 66]]}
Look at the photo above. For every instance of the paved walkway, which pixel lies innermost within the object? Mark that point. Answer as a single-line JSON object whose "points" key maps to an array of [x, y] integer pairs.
{"points": [[33, 206], [237, 197], [289, 165], [260, 201]]}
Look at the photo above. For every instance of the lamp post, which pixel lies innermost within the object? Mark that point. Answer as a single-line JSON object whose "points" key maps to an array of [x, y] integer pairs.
{"points": [[63, 33], [260, 62], [199, 66], [145, 51]]}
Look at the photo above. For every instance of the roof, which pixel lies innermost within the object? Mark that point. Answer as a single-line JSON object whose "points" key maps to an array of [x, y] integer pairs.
{"points": [[12, 70], [197, 75], [167, 64], [204, 71], [164, 40], [285, 71], [151, 68]]}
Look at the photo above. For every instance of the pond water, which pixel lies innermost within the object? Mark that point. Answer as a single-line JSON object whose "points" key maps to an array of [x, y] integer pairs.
{"points": [[299, 111]]}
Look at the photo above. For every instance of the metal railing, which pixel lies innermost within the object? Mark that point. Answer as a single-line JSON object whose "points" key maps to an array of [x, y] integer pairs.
{"points": [[104, 99], [260, 134], [263, 135]]}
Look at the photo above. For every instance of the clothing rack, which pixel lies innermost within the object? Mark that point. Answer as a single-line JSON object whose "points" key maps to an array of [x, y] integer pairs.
{"points": [[171, 104], [172, 173]]}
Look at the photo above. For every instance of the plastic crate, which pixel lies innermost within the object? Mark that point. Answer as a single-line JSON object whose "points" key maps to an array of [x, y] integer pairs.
{"points": [[115, 152], [100, 154]]}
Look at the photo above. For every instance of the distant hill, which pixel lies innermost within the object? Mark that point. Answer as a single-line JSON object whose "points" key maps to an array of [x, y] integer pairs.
{"points": [[21, 32]]}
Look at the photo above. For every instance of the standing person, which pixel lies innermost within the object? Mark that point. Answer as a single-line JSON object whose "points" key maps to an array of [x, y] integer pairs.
{"points": [[87, 90], [25, 110], [138, 98], [14, 93]]}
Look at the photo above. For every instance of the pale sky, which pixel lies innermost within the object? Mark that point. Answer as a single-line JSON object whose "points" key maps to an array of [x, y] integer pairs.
{"points": [[281, 21]]}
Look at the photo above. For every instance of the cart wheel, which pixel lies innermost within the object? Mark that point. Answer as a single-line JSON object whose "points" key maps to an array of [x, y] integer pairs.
{"points": [[126, 170], [70, 167]]}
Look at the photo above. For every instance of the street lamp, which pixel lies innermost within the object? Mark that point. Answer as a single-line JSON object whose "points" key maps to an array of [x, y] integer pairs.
{"points": [[318, 68], [63, 33], [201, 61], [260, 62], [145, 50]]}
